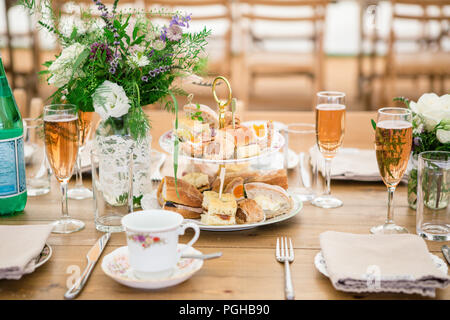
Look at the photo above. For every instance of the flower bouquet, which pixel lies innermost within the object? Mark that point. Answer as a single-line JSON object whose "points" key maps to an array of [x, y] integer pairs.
{"points": [[431, 132], [114, 63]]}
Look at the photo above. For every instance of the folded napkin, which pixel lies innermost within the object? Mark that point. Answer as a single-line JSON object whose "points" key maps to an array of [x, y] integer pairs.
{"points": [[19, 248], [350, 164], [380, 263]]}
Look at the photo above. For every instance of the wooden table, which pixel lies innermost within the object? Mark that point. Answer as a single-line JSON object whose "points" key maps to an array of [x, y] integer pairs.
{"points": [[247, 269]]}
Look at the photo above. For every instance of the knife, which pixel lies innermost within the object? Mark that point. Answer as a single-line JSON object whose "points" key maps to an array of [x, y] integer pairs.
{"points": [[304, 174], [92, 256], [446, 252], [202, 256]]}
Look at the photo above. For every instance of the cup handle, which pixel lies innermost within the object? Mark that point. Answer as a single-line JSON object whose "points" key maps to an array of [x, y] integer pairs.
{"points": [[194, 238]]}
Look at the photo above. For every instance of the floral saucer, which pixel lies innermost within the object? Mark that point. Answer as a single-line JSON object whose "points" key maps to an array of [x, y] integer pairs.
{"points": [[117, 267], [44, 256]]}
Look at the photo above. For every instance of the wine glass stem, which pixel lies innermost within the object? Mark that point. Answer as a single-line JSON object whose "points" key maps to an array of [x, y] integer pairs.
{"points": [[390, 212], [328, 176], [79, 175], [64, 210]]}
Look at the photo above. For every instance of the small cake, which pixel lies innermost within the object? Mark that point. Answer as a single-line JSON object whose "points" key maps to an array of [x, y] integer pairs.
{"points": [[198, 180]]}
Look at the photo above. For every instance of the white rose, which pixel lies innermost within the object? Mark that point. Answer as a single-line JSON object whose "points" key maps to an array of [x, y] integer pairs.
{"points": [[443, 136], [138, 60], [432, 109], [62, 68], [110, 100]]}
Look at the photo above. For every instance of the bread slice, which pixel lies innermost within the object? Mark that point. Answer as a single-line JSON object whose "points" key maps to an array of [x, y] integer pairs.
{"points": [[198, 180], [248, 151], [274, 177], [274, 200], [188, 194], [249, 211], [217, 220], [185, 211]]}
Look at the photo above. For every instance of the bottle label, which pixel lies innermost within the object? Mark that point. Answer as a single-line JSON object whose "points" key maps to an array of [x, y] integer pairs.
{"points": [[12, 167]]}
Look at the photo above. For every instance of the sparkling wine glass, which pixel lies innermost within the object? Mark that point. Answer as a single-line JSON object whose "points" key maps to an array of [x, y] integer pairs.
{"points": [[393, 140], [61, 147], [79, 191], [330, 127]]}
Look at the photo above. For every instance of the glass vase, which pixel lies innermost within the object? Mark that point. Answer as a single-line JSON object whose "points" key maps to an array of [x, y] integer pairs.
{"points": [[112, 138]]}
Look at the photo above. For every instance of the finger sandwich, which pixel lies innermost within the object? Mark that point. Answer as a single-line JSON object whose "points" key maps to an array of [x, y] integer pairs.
{"points": [[218, 211]]}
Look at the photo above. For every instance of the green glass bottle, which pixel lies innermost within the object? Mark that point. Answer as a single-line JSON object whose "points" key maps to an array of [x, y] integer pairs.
{"points": [[13, 191]]}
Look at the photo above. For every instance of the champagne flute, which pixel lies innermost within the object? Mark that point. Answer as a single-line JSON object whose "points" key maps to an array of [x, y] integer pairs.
{"points": [[330, 127], [79, 191], [61, 146], [393, 140]]}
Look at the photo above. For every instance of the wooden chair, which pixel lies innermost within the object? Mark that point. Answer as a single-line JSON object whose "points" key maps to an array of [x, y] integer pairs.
{"points": [[23, 73], [430, 59], [261, 62], [217, 13]]}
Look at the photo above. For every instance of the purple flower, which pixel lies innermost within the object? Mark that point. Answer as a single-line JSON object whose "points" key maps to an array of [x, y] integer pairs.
{"points": [[141, 238], [144, 78], [174, 33], [100, 47], [112, 70]]}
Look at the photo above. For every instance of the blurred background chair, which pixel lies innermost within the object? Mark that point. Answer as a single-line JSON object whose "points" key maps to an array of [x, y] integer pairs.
{"points": [[21, 49], [281, 39], [419, 47], [217, 16]]}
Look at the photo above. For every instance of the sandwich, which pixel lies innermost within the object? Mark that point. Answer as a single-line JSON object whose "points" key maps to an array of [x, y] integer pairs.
{"points": [[193, 130], [221, 148], [249, 211], [218, 211], [236, 188], [245, 141], [229, 119], [189, 202], [274, 200], [198, 180], [264, 133], [274, 177], [203, 113]]}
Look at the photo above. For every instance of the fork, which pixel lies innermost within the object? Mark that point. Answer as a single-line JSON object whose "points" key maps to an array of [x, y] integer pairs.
{"points": [[286, 256]]}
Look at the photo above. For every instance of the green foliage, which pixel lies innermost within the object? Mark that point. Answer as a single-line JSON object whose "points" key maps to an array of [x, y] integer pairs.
{"points": [[136, 36]]}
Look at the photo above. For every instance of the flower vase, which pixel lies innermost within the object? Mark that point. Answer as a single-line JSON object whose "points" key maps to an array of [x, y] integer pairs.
{"points": [[112, 138], [412, 182]]}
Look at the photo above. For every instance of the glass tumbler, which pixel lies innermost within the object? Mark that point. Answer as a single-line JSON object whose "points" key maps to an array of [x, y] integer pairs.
{"points": [[299, 138], [37, 169], [112, 184], [433, 195]]}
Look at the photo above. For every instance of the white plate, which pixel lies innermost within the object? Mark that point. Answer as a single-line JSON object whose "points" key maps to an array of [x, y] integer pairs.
{"points": [[320, 264], [298, 205], [166, 142], [44, 256], [116, 266], [276, 161]]}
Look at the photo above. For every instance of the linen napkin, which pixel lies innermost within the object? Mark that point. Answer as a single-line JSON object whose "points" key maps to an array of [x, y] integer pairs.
{"points": [[350, 164], [380, 263], [19, 247]]}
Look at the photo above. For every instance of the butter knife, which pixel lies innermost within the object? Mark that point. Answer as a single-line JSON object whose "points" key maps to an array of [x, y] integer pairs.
{"points": [[92, 257], [446, 252]]}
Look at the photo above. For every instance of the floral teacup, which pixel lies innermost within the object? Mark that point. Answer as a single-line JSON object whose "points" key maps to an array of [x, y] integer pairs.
{"points": [[152, 238]]}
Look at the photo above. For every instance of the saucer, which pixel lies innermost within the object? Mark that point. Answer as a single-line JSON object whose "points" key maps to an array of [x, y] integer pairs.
{"points": [[44, 256], [117, 267]]}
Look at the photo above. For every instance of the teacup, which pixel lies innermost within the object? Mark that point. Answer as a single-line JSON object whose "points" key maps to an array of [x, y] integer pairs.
{"points": [[152, 238]]}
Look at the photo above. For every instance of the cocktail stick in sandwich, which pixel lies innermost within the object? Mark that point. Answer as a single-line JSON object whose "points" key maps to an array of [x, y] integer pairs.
{"points": [[198, 180], [229, 119], [188, 204], [274, 200], [218, 211], [201, 111], [236, 188], [249, 211]]}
